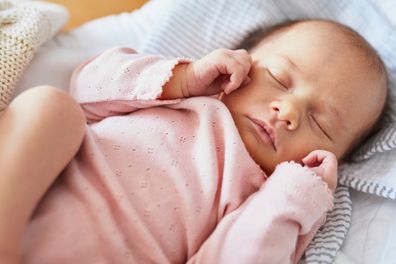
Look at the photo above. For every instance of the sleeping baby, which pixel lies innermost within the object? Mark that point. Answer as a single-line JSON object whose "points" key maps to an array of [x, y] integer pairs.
{"points": [[231, 158]]}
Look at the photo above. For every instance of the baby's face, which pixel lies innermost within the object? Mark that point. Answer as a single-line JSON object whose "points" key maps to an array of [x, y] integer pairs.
{"points": [[307, 92]]}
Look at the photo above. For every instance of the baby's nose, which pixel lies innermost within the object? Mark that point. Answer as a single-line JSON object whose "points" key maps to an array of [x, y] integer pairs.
{"points": [[287, 113]]}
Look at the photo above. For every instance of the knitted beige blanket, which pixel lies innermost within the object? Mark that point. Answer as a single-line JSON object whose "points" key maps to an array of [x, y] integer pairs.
{"points": [[23, 29]]}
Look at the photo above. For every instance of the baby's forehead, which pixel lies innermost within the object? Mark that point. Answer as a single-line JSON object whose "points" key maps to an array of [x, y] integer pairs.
{"points": [[327, 31], [328, 39], [311, 26]]}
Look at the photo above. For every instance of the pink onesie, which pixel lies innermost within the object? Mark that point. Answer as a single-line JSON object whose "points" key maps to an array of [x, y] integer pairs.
{"points": [[167, 181]]}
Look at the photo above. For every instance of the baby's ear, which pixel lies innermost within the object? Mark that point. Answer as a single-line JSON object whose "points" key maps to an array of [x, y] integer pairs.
{"points": [[24, 27]]}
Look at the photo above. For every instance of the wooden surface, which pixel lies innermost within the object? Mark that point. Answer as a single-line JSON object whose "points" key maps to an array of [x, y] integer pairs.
{"points": [[84, 10]]}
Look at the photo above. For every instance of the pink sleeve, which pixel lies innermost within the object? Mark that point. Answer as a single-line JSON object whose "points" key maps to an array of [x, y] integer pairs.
{"points": [[273, 224], [119, 81]]}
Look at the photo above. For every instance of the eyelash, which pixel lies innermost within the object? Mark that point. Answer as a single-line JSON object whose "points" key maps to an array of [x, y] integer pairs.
{"points": [[320, 127], [277, 80]]}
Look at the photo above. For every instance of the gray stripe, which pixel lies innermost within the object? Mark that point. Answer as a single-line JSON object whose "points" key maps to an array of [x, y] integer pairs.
{"points": [[329, 249], [320, 255], [335, 229], [329, 238]]}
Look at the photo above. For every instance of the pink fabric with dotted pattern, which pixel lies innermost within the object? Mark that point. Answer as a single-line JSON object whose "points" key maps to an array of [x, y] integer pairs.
{"points": [[167, 181]]}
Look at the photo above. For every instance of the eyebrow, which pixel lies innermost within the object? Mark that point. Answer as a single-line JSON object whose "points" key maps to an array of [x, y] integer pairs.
{"points": [[290, 62]]}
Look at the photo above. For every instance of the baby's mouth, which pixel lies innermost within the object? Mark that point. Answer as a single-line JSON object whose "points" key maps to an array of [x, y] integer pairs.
{"points": [[266, 132]]}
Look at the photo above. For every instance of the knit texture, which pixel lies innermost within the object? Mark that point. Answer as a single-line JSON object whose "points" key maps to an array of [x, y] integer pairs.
{"points": [[22, 30]]}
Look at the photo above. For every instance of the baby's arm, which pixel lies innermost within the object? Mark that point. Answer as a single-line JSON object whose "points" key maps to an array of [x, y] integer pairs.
{"points": [[119, 80], [272, 225], [40, 131]]}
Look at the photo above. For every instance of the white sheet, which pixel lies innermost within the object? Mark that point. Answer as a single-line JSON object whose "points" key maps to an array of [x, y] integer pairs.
{"points": [[372, 237]]}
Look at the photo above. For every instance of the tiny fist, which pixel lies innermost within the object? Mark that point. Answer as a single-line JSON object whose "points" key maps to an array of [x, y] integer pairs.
{"points": [[324, 164], [319, 156]]}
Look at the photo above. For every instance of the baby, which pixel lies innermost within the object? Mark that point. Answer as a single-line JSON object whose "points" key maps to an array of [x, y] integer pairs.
{"points": [[228, 159]]}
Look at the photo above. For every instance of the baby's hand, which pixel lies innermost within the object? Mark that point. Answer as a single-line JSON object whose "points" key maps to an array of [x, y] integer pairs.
{"points": [[221, 70], [324, 164]]}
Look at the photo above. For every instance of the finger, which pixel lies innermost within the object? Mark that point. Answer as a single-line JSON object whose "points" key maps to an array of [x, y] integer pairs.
{"points": [[245, 59], [326, 168], [246, 81], [321, 158], [317, 154], [218, 85], [241, 57], [244, 56], [325, 156], [311, 159], [237, 64], [236, 78], [229, 88], [330, 163]]}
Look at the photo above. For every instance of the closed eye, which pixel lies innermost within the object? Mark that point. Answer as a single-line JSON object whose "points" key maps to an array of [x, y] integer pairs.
{"points": [[277, 80], [317, 123]]}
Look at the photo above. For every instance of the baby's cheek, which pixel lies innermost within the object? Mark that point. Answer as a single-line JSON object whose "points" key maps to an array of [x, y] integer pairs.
{"points": [[296, 152]]}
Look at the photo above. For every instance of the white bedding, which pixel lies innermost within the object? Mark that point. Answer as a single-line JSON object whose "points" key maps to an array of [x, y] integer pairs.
{"points": [[372, 235]]}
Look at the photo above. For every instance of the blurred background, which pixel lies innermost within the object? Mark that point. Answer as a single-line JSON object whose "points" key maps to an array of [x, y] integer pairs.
{"points": [[84, 10]]}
